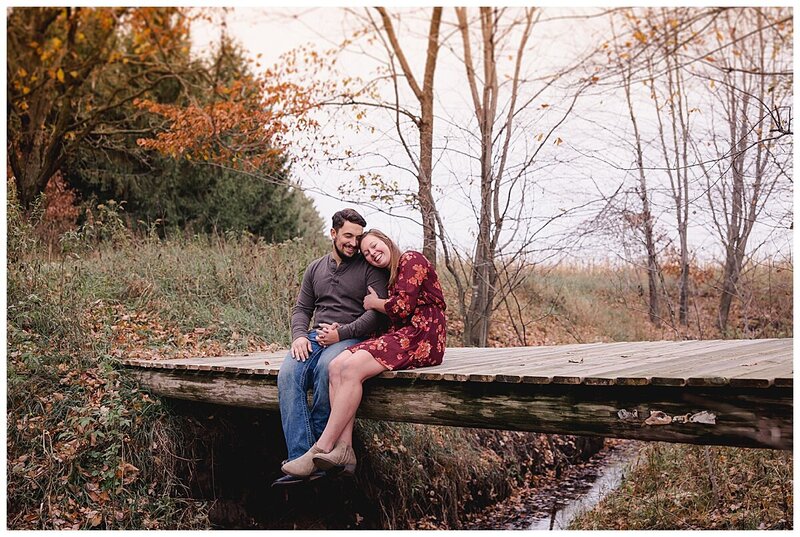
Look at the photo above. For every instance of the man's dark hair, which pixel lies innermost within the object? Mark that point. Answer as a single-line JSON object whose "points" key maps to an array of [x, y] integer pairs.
{"points": [[347, 215]]}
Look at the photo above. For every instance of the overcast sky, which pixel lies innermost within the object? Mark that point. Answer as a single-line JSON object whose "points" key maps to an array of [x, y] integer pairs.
{"points": [[589, 163]]}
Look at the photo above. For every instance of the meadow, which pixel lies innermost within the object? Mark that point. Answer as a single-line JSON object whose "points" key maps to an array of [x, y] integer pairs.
{"points": [[88, 448]]}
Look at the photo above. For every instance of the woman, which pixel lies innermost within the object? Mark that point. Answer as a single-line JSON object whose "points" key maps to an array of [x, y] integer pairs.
{"points": [[416, 338]]}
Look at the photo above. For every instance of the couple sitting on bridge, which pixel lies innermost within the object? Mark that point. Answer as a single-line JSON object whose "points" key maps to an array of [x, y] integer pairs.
{"points": [[343, 291]]}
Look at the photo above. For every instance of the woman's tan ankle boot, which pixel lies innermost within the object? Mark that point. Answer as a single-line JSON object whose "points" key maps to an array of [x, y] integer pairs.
{"points": [[341, 459], [302, 466]]}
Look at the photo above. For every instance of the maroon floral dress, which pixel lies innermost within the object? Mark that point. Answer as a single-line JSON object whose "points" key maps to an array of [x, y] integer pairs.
{"points": [[416, 337]]}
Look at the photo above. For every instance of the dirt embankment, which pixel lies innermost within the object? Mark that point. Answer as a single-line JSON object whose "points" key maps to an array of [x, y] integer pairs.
{"points": [[231, 457]]}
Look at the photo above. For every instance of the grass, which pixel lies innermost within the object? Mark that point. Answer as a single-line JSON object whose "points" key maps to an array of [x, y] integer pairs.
{"points": [[572, 304], [242, 285], [694, 487], [82, 449], [88, 449]]}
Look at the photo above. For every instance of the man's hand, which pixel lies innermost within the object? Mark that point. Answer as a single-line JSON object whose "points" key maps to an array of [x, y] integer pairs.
{"points": [[373, 302], [328, 334], [300, 348]]}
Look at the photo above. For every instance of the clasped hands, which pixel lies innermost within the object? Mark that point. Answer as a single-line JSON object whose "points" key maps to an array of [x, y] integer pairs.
{"points": [[328, 334]]}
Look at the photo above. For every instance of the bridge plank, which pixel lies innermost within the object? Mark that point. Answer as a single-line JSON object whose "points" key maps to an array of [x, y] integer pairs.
{"points": [[205, 359], [607, 368], [669, 355], [678, 364], [763, 371], [672, 370], [609, 360], [477, 359], [671, 363], [768, 375], [720, 369], [522, 361]]}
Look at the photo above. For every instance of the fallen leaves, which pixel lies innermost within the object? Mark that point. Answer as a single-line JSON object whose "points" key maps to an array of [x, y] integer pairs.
{"points": [[670, 489], [127, 472], [142, 335]]}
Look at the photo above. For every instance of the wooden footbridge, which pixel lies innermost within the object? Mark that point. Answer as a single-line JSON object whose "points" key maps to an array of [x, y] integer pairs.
{"points": [[723, 392]]}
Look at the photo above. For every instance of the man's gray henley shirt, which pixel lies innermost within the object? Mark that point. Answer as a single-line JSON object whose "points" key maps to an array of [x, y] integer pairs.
{"points": [[334, 293]]}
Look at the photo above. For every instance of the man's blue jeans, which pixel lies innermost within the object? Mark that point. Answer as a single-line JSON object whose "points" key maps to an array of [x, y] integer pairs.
{"points": [[303, 426]]}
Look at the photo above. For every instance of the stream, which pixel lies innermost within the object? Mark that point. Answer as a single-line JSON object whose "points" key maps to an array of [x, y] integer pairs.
{"points": [[553, 502], [578, 499], [228, 440]]}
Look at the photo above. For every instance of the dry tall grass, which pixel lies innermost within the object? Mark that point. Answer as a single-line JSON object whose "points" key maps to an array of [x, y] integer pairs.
{"points": [[583, 304], [696, 487]]}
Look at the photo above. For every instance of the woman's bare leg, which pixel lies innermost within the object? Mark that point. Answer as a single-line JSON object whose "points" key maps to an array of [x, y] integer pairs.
{"points": [[334, 375], [346, 374], [334, 379]]}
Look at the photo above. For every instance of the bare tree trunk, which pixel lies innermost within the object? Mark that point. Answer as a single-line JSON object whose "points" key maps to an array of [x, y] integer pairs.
{"points": [[424, 95], [749, 156], [682, 204], [647, 217], [424, 178], [729, 279], [676, 157], [734, 244], [484, 275], [493, 157]]}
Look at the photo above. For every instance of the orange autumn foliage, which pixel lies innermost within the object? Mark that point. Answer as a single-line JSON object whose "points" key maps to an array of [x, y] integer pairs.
{"points": [[235, 128], [59, 59], [60, 209], [255, 120]]}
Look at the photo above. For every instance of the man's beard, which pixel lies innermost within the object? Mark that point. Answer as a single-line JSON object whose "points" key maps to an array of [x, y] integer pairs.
{"points": [[345, 258]]}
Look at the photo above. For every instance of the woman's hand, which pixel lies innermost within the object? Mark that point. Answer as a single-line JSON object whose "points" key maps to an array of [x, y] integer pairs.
{"points": [[373, 302]]}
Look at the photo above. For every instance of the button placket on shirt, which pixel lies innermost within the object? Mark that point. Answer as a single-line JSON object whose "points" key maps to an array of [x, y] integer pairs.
{"points": [[334, 272]]}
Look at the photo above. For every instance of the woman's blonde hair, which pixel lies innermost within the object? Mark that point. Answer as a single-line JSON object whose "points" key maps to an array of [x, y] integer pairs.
{"points": [[393, 250]]}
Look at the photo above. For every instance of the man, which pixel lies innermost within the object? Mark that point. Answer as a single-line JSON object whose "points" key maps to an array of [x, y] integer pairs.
{"points": [[333, 291]]}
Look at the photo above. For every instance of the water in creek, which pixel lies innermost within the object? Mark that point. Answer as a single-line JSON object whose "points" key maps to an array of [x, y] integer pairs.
{"points": [[578, 495]]}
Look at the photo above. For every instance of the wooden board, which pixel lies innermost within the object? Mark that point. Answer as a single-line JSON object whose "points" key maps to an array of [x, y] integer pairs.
{"points": [[716, 363], [747, 417]]}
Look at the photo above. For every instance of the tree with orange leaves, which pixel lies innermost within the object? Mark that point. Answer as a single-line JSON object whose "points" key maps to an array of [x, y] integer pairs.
{"points": [[56, 59], [251, 122]]}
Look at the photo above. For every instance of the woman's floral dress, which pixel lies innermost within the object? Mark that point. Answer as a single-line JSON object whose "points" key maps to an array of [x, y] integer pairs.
{"points": [[416, 337]]}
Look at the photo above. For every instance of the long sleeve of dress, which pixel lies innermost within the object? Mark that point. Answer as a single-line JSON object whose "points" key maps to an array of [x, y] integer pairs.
{"points": [[412, 271]]}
